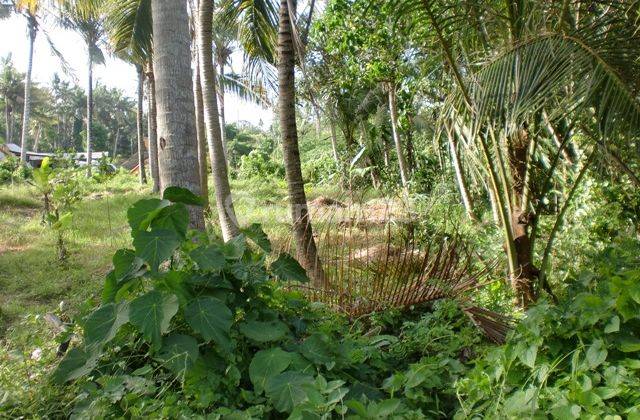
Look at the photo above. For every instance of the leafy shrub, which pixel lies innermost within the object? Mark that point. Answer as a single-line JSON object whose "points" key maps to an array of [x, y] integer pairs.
{"points": [[11, 170], [577, 359], [321, 169], [189, 326], [259, 165]]}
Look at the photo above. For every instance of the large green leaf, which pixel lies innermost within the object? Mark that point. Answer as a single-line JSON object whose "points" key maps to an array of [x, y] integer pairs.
{"points": [[103, 324], [142, 213], [208, 258], [317, 348], [264, 331], [76, 363], [257, 235], [287, 390], [156, 246], [126, 263], [174, 217], [287, 268], [266, 364], [234, 248], [179, 353], [151, 314], [211, 318], [182, 195]]}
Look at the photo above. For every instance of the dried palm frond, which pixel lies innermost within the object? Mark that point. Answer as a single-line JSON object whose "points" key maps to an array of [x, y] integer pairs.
{"points": [[373, 260]]}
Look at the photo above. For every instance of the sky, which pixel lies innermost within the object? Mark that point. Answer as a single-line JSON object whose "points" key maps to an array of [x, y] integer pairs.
{"points": [[115, 73]]}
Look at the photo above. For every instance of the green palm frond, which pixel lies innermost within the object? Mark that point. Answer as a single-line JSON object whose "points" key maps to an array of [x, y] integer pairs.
{"points": [[256, 22], [129, 25], [561, 74], [242, 88]]}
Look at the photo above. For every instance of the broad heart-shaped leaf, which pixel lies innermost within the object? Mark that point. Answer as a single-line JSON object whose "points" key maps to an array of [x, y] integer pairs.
{"points": [[266, 364], [257, 235], [156, 246], [102, 324], [125, 264], [142, 213], [174, 217], [211, 318], [264, 331], [182, 195], [288, 269], [287, 390], [151, 314], [318, 349], [76, 363], [234, 248], [179, 353], [208, 257]]}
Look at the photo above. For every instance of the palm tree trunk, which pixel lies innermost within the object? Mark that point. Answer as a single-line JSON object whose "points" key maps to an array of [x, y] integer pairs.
{"points": [[223, 122], [393, 110], [7, 121], [303, 234], [139, 126], [224, 200], [201, 133], [33, 31], [115, 142], [461, 181], [178, 150], [89, 112], [334, 141], [152, 129]]}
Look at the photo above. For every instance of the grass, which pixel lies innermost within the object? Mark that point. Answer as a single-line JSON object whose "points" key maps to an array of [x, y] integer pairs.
{"points": [[31, 278], [34, 282]]}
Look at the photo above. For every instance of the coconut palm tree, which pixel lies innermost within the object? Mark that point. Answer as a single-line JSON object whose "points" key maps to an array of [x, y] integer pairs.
{"points": [[208, 80], [561, 61], [303, 233], [178, 150], [85, 17]]}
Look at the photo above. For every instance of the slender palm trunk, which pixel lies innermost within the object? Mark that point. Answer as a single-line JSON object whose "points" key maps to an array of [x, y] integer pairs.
{"points": [[334, 141], [201, 133], [139, 125], [303, 234], [33, 31], [460, 179], [178, 149], [115, 142], [152, 129], [223, 122], [224, 200], [7, 121], [89, 113], [393, 110]]}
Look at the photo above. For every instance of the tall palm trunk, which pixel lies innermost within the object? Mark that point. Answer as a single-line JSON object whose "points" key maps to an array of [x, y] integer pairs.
{"points": [[33, 31], [223, 118], [89, 112], [152, 130], [460, 179], [224, 201], [139, 126], [115, 142], [303, 234], [393, 110], [8, 121], [177, 147], [201, 133]]}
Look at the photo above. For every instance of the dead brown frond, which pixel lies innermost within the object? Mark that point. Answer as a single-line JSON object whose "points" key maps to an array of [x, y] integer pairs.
{"points": [[373, 260]]}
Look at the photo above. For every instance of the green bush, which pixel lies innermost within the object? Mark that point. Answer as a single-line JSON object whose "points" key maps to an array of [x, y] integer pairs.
{"points": [[259, 165], [12, 171], [579, 359]]}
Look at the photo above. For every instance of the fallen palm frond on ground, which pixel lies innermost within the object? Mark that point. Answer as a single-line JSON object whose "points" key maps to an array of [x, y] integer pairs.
{"points": [[373, 259]]}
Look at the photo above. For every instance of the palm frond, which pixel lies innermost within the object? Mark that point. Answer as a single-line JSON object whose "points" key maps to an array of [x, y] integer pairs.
{"points": [[129, 25], [243, 89]]}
